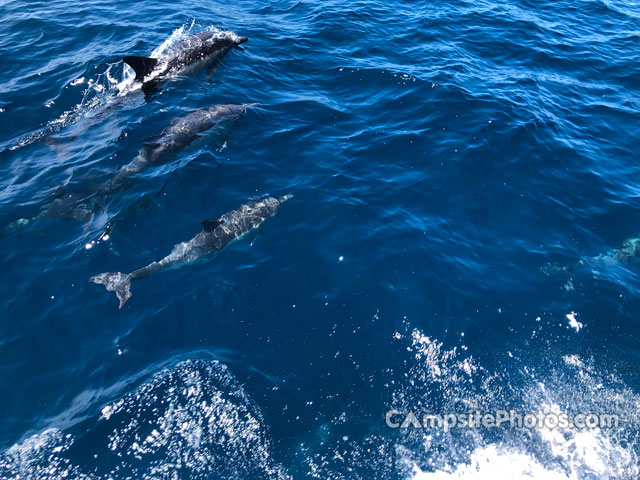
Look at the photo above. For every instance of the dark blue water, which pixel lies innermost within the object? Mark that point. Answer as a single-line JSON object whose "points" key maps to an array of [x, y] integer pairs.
{"points": [[448, 160]]}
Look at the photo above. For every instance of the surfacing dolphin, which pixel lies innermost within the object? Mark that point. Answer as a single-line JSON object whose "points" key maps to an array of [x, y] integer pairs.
{"points": [[180, 134], [190, 57], [216, 235]]}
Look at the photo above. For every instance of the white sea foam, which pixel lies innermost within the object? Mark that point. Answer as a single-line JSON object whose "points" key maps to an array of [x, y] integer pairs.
{"points": [[493, 463], [192, 421], [573, 322], [576, 456], [570, 384]]}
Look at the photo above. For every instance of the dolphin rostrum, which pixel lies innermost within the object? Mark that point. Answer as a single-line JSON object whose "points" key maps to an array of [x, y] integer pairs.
{"points": [[216, 235], [201, 50], [181, 133]]}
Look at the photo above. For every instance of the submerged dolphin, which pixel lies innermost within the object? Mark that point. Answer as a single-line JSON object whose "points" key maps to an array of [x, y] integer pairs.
{"points": [[191, 56], [180, 134], [216, 235], [629, 250]]}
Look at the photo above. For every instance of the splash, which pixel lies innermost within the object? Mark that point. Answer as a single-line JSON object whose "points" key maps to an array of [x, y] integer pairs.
{"points": [[102, 92], [568, 385]]}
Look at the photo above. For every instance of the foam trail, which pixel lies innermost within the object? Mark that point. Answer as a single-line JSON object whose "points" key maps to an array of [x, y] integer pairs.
{"points": [[107, 88]]}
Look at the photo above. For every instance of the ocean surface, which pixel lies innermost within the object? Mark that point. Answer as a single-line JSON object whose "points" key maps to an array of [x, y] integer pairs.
{"points": [[465, 176]]}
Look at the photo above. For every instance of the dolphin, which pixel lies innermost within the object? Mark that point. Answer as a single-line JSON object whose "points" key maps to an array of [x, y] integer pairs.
{"points": [[159, 150], [190, 57], [215, 235], [181, 133], [628, 251]]}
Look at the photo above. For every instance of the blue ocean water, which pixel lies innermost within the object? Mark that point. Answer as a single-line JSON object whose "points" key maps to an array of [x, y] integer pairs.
{"points": [[465, 178]]}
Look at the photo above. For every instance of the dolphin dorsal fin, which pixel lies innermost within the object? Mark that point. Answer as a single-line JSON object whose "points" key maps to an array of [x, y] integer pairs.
{"points": [[143, 66], [210, 225]]}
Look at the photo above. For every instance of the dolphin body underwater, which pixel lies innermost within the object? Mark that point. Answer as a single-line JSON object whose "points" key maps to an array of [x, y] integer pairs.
{"points": [[628, 251], [191, 56], [180, 134], [215, 236]]}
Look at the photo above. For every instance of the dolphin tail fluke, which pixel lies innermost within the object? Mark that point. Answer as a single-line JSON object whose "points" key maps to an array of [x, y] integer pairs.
{"points": [[62, 148], [115, 282], [57, 142], [16, 227], [553, 269], [143, 66]]}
